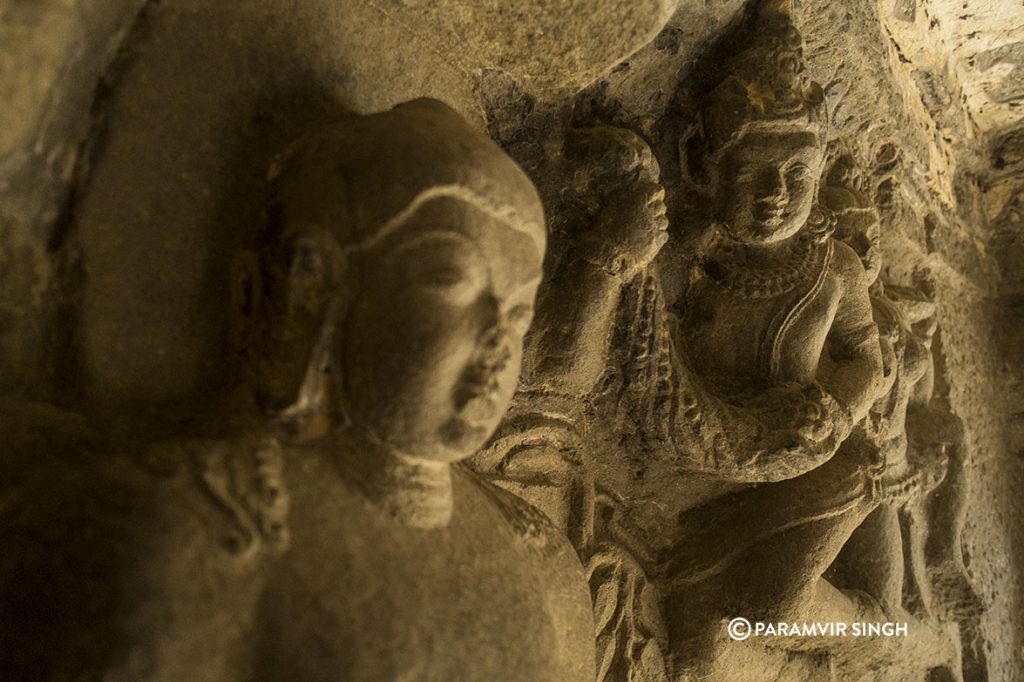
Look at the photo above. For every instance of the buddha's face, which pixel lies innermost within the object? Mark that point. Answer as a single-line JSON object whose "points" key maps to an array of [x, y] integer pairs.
{"points": [[766, 183], [431, 345]]}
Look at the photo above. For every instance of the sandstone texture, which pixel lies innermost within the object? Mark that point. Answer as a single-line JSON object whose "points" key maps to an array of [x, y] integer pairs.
{"points": [[608, 321]]}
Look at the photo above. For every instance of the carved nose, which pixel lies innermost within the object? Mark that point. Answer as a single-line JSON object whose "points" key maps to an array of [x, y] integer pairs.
{"points": [[494, 351], [772, 185], [495, 335]]}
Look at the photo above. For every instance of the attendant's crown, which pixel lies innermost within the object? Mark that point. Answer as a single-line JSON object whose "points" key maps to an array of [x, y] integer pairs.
{"points": [[766, 87]]}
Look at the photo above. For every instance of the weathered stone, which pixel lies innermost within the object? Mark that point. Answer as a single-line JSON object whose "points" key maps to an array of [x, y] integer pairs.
{"points": [[382, 328], [268, 282]]}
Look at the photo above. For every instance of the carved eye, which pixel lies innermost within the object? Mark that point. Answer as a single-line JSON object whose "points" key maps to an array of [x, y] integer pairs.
{"points": [[798, 171], [443, 265], [441, 277], [456, 278], [455, 284]]}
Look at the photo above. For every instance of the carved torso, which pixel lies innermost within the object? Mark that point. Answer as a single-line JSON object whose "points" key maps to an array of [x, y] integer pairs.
{"points": [[496, 594], [204, 567], [745, 342]]}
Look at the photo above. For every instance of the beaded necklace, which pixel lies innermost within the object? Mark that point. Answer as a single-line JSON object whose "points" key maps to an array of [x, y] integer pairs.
{"points": [[800, 261]]}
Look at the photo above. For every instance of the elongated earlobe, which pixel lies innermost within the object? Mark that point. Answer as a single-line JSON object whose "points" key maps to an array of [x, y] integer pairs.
{"points": [[316, 286], [693, 159], [312, 416]]}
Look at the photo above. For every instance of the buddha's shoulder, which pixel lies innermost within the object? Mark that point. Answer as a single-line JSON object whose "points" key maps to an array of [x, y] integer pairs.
{"points": [[66, 487], [533, 542]]}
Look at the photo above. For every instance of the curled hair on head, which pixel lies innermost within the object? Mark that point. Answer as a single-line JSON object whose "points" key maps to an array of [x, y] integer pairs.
{"points": [[363, 178]]}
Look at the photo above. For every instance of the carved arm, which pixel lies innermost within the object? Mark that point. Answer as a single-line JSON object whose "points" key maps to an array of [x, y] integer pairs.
{"points": [[625, 232], [855, 377]]}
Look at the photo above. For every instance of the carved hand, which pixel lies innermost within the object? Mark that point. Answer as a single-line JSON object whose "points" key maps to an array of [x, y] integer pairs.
{"points": [[801, 429], [629, 230], [625, 200], [823, 417]]}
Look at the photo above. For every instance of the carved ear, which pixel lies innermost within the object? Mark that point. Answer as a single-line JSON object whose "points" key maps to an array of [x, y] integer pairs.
{"points": [[315, 273], [313, 413], [694, 163], [317, 297]]}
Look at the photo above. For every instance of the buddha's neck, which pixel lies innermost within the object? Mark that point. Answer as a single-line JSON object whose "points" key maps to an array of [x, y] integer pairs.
{"points": [[415, 492]]}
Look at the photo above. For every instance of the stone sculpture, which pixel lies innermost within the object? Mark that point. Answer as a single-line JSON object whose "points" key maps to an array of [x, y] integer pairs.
{"points": [[756, 376], [793, 304], [543, 450], [907, 553], [295, 417], [327, 530]]}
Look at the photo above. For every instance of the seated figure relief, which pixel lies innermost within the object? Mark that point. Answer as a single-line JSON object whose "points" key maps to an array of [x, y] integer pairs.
{"points": [[723, 408], [907, 553], [328, 532], [724, 414]]}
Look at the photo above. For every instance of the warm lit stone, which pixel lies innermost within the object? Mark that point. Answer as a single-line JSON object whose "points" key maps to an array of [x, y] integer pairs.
{"points": [[492, 340]]}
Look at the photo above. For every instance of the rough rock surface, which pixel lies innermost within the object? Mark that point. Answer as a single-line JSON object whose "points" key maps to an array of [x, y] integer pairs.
{"points": [[136, 137]]}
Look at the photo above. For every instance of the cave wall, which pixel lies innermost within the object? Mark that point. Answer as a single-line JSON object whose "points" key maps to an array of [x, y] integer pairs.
{"points": [[136, 137]]}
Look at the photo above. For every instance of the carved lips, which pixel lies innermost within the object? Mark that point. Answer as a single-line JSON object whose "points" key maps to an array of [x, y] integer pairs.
{"points": [[478, 392], [770, 211]]}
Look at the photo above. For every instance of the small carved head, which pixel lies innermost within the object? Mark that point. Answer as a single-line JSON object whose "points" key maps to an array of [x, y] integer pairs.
{"points": [[764, 130], [399, 276], [857, 219]]}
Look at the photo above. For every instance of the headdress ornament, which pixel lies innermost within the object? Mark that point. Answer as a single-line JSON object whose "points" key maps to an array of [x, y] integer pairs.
{"points": [[766, 87]]}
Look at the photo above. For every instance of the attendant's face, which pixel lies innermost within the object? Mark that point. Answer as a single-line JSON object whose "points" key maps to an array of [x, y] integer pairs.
{"points": [[766, 184], [431, 346]]}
